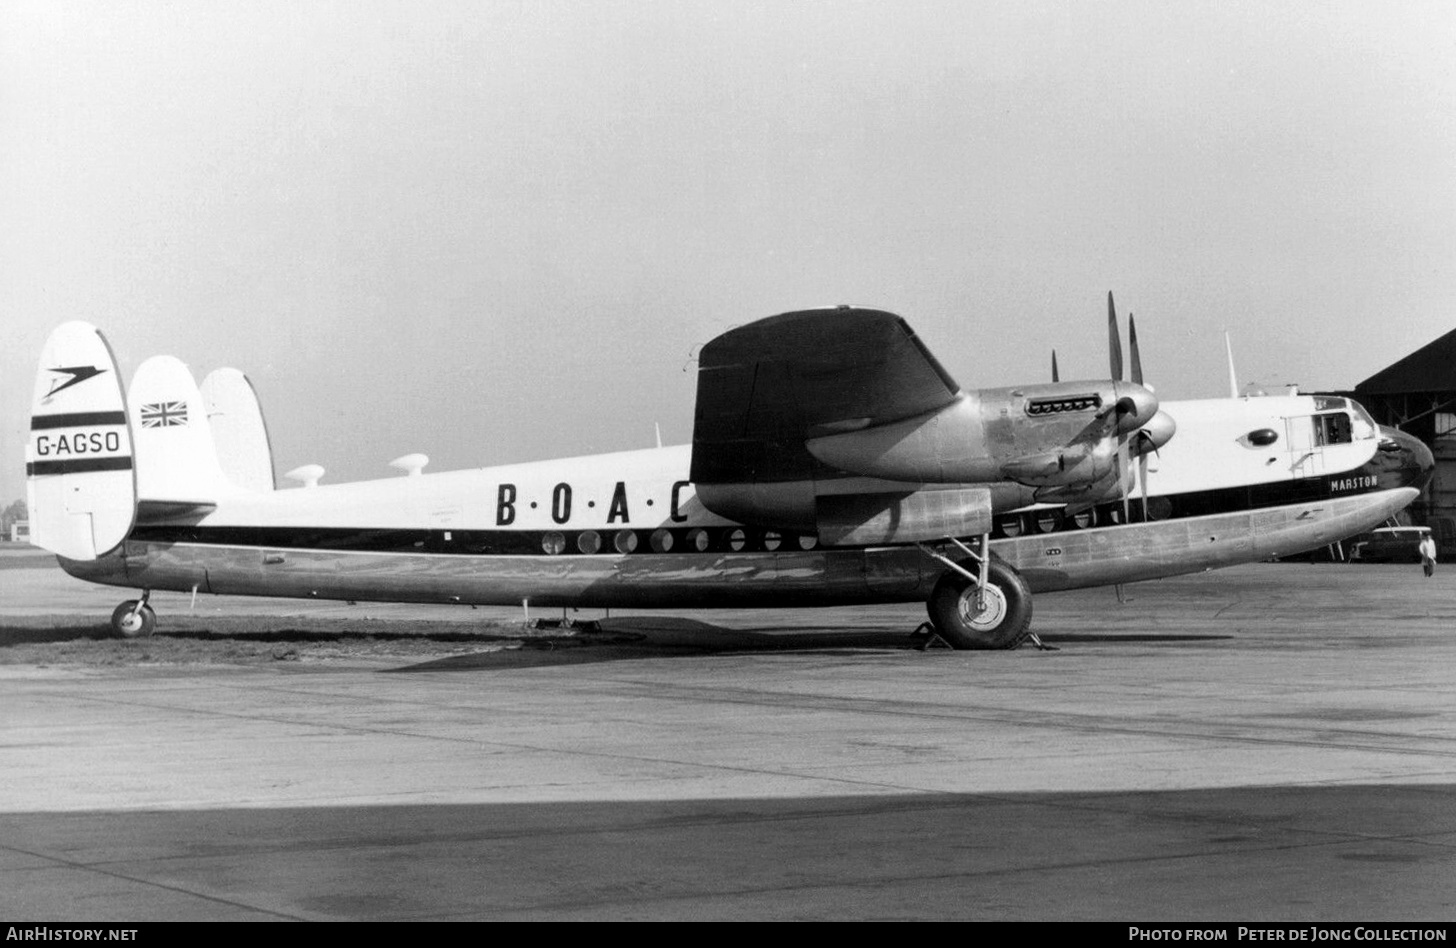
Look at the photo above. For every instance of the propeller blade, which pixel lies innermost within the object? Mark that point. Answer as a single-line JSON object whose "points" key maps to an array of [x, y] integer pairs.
{"points": [[1114, 341], [1132, 346], [1143, 479], [1056, 377], [1122, 484]]}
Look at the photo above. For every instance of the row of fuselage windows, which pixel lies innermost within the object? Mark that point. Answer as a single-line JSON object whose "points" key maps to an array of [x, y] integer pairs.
{"points": [[741, 539], [695, 540]]}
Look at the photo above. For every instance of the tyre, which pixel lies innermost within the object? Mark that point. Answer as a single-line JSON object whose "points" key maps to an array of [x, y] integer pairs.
{"points": [[134, 619], [1001, 620]]}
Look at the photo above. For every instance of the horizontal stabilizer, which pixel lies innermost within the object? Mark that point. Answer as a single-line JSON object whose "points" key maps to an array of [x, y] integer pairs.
{"points": [[80, 477], [764, 388], [170, 511]]}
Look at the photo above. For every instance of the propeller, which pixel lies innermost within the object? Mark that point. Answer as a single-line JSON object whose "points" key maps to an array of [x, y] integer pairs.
{"points": [[1098, 460], [1114, 359], [1146, 445], [1137, 362], [1114, 341], [1137, 377], [1143, 440]]}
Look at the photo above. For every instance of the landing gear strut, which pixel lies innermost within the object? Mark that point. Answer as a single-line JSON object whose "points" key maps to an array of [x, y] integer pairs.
{"points": [[982, 602], [134, 618]]}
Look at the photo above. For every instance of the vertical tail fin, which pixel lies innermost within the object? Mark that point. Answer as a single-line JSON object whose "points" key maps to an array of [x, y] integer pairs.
{"points": [[79, 467], [238, 428], [176, 459]]}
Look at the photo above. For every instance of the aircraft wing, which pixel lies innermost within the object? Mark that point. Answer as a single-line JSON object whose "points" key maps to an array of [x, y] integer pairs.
{"points": [[766, 387]]}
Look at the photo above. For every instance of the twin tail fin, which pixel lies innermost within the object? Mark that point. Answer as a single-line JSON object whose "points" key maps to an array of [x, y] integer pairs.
{"points": [[100, 460]]}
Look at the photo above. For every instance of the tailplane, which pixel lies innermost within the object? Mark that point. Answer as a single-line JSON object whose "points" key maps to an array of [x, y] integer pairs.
{"points": [[79, 461]]}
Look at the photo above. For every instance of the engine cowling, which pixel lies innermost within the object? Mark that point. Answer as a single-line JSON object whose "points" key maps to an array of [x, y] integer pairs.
{"points": [[1059, 435]]}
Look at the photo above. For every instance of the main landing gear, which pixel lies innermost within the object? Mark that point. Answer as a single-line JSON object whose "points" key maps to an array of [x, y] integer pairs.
{"points": [[134, 618], [982, 602]]}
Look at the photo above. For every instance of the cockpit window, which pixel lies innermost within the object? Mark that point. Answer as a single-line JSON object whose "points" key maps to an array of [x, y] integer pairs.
{"points": [[1333, 428], [1365, 427]]}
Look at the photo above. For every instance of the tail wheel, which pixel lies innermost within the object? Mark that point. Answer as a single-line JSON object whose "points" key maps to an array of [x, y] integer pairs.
{"points": [[134, 619], [998, 616]]}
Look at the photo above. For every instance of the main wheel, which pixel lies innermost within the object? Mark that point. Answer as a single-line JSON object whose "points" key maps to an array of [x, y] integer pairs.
{"points": [[1000, 617], [134, 619]]}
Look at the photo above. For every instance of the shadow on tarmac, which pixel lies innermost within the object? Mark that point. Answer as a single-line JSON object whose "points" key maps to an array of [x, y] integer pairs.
{"points": [[637, 638], [627, 638], [657, 637], [1317, 853]]}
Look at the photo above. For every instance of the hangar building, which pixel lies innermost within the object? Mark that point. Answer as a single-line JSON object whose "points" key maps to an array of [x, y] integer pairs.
{"points": [[1418, 395]]}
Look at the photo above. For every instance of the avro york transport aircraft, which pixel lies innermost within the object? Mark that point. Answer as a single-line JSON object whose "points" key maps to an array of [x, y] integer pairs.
{"points": [[833, 461]]}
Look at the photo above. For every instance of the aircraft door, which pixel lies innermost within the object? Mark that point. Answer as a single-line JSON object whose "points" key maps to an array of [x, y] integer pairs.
{"points": [[1306, 454]]}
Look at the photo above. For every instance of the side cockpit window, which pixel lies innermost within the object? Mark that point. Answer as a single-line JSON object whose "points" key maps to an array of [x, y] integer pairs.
{"points": [[1365, 427], [1333, 428]]}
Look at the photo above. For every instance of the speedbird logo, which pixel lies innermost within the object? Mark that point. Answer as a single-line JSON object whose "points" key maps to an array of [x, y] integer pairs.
{"points": [[77, 373]]}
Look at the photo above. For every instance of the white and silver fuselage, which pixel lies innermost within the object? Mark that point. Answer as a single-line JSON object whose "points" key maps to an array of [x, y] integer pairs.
{"points": [[1244, 480]]}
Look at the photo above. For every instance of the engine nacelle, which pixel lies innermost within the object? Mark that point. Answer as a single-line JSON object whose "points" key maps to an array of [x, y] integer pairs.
{"points": [[869, 519], [1110, 486], [1061, 434]]}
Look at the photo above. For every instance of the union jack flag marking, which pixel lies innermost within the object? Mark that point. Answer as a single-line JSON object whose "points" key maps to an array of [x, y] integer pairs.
{"points": [[164, 414]]}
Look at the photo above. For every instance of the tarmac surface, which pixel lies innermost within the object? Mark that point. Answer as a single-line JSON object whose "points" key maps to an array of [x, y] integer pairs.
{"points": [[1274, 742]]}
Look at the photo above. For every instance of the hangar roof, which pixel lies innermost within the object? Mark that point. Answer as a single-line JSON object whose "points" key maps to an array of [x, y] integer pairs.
{"points": [[1431, 368]]}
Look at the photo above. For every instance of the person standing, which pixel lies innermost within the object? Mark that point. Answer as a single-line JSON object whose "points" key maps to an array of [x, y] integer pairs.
{"points": [[1427, 549]]}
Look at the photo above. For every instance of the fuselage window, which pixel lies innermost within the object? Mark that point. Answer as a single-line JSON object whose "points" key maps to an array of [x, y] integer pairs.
{"points": [[625, 541], [553, 543], [661, 541], [589, 542]]}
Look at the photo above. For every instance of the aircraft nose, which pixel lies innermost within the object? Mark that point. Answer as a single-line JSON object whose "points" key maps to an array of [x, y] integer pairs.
{"points": [[1415, 462]]}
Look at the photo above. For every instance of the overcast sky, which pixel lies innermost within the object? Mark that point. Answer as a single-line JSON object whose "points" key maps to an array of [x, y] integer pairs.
{"points": [[495, 232]]}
